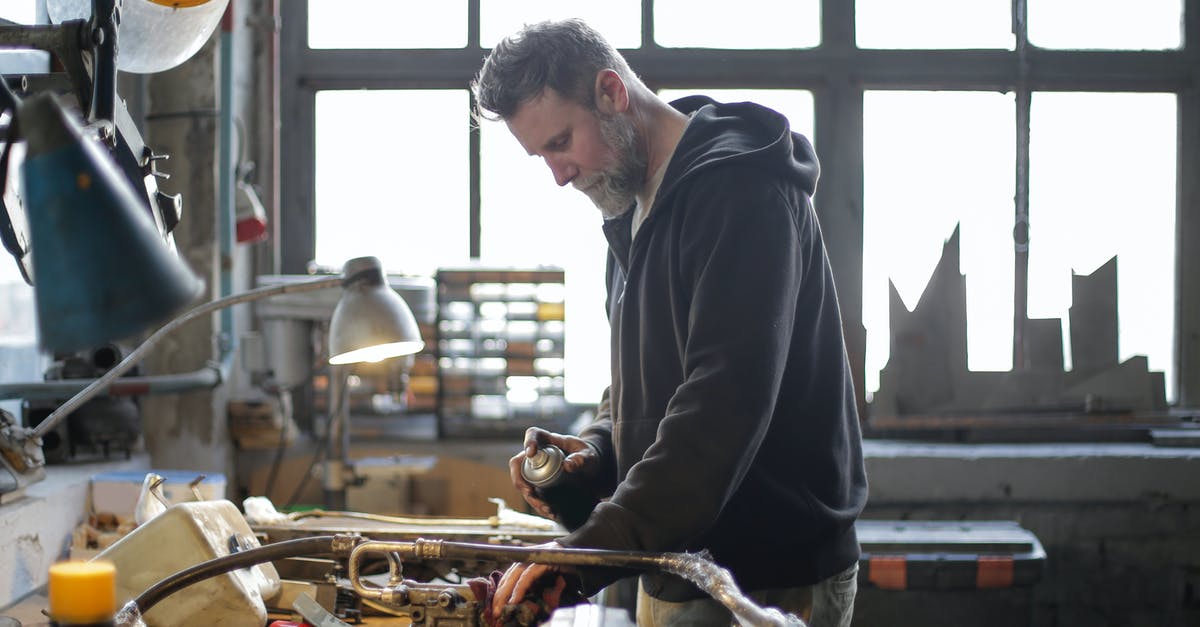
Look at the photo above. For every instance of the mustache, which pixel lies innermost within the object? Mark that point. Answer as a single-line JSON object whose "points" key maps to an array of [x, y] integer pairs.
{"points": [[584, 183]]}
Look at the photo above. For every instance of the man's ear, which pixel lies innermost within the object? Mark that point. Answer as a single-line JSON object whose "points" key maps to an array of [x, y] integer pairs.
{"points": [[611, 95]]}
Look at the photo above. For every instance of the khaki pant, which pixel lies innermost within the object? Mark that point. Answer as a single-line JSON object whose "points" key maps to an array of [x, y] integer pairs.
{"points": [[829, 603]]}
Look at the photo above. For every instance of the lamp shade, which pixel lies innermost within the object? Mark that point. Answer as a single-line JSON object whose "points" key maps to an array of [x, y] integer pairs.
{"points": [[371, 322], [101, 270], [155, 35]]}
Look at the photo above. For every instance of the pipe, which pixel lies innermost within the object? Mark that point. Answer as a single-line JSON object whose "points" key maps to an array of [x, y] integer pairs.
{"points": [[316, 545], [696, 568], [225, 176], [138, 353], [204, 378], [490, 521]]}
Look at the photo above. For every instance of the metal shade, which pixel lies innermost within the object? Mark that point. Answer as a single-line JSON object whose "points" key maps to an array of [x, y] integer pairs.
{"points": [[101, 270], [371, 322]]}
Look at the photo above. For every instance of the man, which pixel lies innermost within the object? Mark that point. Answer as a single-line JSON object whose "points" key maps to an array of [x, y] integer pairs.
{"points": [[730, 421]]}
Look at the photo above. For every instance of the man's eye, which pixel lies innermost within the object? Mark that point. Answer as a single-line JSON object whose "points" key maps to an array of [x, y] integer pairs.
{"points": [[558, 144]]}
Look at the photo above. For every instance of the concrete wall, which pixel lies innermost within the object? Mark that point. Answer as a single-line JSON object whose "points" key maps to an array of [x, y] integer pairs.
{"points": [[1120, 524], [189, 431], [35, 529]]}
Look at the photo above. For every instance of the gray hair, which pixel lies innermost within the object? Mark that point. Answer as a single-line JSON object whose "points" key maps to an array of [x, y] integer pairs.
{"points": [[561, 55]]}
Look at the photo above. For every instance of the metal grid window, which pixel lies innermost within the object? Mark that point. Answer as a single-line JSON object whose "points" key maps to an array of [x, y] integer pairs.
{"points": [[849, 64]]}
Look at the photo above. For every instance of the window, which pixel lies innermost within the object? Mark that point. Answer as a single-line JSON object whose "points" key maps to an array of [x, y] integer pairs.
{"points": [[934, 24], [527, 220], [1089, 202], [387, 190], [756, 24], [925, 115], [619, 20], [366, 24], [1109, 24], [934, 162]]}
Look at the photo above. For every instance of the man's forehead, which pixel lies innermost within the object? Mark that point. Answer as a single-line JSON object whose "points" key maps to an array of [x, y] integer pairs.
{"points": [[541, 118]]}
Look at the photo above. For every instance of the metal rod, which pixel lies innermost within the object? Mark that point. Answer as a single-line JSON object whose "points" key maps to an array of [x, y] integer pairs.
{"points": [[204, 378], [490, 521], [1021, 218], [337, 465], [138, 353]]}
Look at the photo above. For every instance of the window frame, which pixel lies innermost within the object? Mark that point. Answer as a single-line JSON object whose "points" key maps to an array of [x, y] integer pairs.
{"points": [[837, 72]]}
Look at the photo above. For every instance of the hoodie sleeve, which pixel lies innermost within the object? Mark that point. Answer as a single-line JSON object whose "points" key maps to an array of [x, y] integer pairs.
{"points": [[598, 435], [740, 264]]}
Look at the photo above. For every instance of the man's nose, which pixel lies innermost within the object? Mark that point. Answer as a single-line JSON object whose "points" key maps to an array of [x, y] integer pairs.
{"points": [[563, 172]]}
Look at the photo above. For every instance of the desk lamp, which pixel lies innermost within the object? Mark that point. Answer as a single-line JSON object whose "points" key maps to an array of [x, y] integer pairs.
{"points": [[370, 323]]}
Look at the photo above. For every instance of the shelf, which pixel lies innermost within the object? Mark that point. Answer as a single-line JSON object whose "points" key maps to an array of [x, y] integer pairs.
{"points": [[500, 348]]}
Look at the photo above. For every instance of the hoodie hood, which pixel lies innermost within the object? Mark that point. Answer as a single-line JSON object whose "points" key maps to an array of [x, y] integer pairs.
{"points": [[744, 133]]}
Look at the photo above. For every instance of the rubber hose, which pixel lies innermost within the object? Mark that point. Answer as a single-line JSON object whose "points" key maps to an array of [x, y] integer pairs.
{"points": [[315, 545]]}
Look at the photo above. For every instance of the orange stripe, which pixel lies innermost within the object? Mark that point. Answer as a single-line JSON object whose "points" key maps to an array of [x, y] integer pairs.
{"points": [[994, 572], [888, 572]]}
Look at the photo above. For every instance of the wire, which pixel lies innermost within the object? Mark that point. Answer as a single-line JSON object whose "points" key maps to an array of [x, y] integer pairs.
{"points": [[315, 545]]}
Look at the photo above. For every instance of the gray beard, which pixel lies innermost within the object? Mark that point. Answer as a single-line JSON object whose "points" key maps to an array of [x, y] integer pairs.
{"points": [[614, 189]]}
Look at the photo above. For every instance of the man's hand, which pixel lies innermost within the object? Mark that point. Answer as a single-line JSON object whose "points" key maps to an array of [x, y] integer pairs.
{"points": [[515, 583], [580, 458]]}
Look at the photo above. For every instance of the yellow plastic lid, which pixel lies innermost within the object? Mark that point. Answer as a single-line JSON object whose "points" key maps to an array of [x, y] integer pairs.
{"points": [[83, 592]]}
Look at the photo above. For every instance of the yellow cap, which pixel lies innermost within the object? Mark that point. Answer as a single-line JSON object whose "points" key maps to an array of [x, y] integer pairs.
{"points": [[83, 592]]}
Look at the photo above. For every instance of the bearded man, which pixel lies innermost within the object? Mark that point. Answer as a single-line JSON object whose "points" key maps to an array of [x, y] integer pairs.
{"points": [[730, 422]]}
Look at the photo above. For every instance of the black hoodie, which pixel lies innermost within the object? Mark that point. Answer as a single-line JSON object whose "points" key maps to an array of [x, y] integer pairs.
{"points": [[730, 423]]}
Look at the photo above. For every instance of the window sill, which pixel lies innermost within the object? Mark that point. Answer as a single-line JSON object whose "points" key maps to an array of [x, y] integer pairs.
{"points": [[910, 472]]}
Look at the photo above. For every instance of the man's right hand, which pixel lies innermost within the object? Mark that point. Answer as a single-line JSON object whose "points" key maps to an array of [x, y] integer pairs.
{"points": [[580, 458]]}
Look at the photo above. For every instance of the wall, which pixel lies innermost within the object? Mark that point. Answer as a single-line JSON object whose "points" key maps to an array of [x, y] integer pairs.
{"points": [[35, 529], [1120, 524], [189, 431]]}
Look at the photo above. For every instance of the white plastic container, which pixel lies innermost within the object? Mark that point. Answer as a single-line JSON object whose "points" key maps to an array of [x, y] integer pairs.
{"points": [[183, 536]]}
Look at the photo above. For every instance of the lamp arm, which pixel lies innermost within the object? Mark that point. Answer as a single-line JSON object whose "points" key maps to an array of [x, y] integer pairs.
{"points": [[136, 355]]}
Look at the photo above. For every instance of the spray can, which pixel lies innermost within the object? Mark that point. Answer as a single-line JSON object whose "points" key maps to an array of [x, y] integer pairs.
{"points": [[569, 500]]}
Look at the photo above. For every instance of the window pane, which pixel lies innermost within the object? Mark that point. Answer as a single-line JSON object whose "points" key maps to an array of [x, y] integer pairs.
{"points": [[22, 61], [528, 220], [934, 24], [19, 11], [1081, 213], [395, 191], [792, 24], [17, 324], [933, 160], [620, 21], [1107, 24], [795, 104], [387, 24]]}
